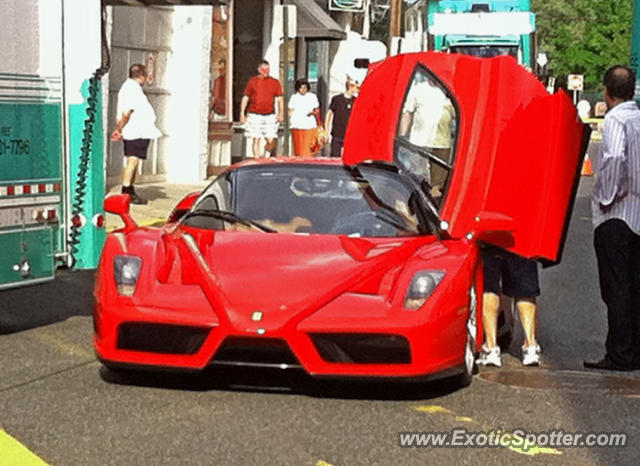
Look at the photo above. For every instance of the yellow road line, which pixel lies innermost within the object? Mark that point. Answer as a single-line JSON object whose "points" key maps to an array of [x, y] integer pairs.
{"points": [[54, 341], [16, 454], [153, 222], [150, 222], [465, 419], [433, 409], [532, 450], [12, 452]]}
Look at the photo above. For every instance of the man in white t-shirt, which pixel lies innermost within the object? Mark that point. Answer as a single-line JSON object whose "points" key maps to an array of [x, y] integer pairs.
{"points": [[427, 121], [135, 126], [427, 117]]}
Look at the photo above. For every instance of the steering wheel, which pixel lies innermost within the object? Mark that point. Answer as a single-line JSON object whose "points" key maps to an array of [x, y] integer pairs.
{"points": [[364, 223]]}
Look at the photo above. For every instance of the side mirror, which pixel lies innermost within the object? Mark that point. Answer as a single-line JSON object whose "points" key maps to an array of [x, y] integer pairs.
{"points": [[118, 204], [487, 221], [183, 206], [495, 228]]}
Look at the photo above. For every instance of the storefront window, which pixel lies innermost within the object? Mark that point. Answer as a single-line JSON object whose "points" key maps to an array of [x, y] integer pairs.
{"points": [[220, 104], [219, 108]]}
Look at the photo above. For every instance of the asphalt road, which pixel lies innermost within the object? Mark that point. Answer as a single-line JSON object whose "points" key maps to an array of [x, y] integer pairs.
{"points": [[57, 402]]}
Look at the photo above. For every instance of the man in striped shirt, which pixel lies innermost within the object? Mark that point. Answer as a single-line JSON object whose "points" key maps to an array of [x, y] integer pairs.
{"points": [[616, 219]]}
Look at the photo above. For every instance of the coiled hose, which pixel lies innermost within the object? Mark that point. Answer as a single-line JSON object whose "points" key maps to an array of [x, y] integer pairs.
{"points": [[87, 142]]}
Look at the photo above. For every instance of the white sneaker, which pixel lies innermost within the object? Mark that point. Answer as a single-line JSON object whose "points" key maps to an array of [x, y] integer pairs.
{"points": [[489, 356], [531, 355]]}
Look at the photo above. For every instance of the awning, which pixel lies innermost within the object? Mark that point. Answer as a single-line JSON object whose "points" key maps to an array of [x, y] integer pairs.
{"points": [[315, 23]]}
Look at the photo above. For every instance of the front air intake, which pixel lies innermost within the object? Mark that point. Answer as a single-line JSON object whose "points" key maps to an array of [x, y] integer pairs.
{"points": [[362, 348], [161, 338]]}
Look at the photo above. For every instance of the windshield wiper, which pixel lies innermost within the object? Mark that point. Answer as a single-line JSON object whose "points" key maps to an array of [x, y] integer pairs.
{"points": [[227, 216], [393, 218]]}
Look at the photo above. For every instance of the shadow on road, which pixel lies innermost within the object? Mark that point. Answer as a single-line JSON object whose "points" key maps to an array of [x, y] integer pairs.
{"points": [[70, 294], [281, 381], [152, 192]]}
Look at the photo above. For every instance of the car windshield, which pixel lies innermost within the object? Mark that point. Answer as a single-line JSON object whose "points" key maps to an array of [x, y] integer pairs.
{"points": [[366, 201]]}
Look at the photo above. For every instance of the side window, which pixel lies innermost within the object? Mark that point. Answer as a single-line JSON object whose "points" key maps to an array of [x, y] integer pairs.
{"points": [[216, 196], [427, 132]]}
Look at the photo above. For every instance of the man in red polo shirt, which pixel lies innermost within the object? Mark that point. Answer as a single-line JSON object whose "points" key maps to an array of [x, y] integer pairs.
{"points": [[258, 109]]}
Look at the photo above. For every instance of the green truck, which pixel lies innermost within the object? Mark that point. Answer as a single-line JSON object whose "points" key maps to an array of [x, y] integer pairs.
{"points": [[482, 28], [32, 198], [51, 161]]}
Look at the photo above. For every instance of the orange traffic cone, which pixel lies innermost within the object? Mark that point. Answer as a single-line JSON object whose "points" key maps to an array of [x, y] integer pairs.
{"points": [[587, 169]]}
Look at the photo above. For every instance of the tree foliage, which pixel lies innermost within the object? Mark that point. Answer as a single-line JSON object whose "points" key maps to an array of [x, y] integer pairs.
{"points": [[584, 36]]}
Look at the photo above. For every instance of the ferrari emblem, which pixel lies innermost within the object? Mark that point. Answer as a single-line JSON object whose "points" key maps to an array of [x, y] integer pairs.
{"points": [[256, 316]]}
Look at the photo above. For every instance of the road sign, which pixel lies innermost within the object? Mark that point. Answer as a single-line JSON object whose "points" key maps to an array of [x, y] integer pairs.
{"points": [[542, 59], [575, 82]]}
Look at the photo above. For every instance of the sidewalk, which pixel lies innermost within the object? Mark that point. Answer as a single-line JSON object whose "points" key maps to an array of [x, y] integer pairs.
{"points": [[162, 198]]}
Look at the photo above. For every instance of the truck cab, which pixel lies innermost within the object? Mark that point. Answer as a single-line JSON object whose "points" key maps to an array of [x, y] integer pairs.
{"points": [[481, 28], [485, 46]]}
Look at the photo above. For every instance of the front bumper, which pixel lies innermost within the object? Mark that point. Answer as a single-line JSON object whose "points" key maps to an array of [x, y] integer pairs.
{"points": [[373, 343]]}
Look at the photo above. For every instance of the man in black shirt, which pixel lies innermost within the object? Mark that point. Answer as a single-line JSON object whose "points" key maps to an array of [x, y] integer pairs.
{"points": [[338, 116]]}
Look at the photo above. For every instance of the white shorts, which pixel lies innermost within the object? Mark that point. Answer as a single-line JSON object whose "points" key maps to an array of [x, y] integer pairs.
{"points": [[261, 126]]}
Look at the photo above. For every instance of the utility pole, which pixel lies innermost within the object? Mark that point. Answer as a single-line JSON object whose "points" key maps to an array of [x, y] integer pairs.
{"points": [[395, 26], [288, 16], [285, 23]]}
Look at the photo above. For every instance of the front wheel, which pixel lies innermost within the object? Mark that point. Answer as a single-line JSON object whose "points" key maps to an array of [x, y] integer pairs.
{"points": [[470, 341]]}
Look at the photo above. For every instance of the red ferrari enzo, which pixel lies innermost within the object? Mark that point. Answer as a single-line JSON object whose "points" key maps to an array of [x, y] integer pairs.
{"points": [[361, 267]]}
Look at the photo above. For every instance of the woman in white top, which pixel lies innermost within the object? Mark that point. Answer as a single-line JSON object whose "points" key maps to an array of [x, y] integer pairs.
{"points": [[304, 114]]}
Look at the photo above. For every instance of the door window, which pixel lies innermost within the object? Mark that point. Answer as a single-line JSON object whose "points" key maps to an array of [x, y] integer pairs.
{"points": [[427, 132]]}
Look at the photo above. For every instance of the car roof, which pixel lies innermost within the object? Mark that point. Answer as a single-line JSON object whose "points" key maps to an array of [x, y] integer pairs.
{"points": [[266, 161]]}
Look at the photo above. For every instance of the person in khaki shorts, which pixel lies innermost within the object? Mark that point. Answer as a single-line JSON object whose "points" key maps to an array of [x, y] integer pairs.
{"points": [[262, 97]]}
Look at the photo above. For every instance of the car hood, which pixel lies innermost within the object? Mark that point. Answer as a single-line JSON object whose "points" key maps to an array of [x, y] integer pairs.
{"points": [[280, 275]]}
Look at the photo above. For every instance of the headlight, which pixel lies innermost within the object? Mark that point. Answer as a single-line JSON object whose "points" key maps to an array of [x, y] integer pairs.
{"points": [[126, 270], [421, 287]]}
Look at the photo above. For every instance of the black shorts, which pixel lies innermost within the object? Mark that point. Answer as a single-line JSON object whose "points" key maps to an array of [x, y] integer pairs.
{"points": [[336, 147], [509, 274], [136, 148]]}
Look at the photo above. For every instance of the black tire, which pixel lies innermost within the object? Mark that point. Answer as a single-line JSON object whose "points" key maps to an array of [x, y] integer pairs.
{"points": [[464, 379]]}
